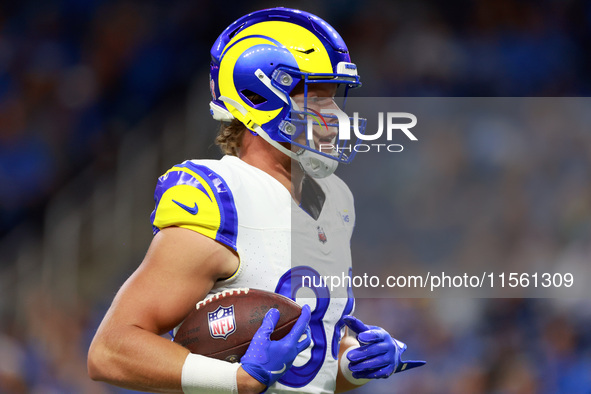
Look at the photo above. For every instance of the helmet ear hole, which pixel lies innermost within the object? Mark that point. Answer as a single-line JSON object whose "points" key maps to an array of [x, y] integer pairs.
{"points": [[252, 98]]}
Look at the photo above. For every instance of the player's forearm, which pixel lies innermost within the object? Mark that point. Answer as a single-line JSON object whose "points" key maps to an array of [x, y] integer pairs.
{"points": [[134, 358], [139, 360]]}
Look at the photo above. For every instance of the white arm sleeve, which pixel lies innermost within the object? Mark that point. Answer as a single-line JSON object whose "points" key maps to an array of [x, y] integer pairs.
{"points": [[205, 375]]}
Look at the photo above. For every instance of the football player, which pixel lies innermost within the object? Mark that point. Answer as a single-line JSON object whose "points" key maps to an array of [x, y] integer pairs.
{"points": [[267, 215]]}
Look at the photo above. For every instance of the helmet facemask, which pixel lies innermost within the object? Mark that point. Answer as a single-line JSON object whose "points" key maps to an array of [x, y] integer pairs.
{"points": [[321, 134]]}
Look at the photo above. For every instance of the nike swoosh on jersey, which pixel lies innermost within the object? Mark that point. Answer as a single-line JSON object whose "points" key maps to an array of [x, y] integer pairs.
{"points": [[192, 210], [280, 371]]}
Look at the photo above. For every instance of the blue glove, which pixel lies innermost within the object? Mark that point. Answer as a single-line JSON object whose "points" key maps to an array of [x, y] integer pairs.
{"points": [[379, 354], [267, 360]]}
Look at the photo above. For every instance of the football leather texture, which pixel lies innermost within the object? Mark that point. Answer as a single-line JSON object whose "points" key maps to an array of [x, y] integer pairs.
{"points": [[222, 325]]}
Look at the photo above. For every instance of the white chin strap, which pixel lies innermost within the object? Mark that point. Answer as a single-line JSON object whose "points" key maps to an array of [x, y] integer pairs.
{"points": [[315, 165], [275, 144]]}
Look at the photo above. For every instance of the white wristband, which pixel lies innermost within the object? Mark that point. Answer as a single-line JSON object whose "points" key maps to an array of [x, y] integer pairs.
{"points": [[208, 375], [347, 372]]}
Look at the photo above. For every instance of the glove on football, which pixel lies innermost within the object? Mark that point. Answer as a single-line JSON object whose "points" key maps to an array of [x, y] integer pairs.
{"points": [[267, 360]]}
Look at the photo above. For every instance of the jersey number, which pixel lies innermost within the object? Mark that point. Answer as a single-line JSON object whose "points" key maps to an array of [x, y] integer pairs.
{"points": [[289, 284]]}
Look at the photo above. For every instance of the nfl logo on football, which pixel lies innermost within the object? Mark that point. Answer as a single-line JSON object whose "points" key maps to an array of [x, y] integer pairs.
{"points": [[222, 322]]}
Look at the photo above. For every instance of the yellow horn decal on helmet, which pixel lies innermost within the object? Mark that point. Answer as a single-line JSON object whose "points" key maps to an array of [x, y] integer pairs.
{"points": [[297, 39], [307, 50], [228, 89]]}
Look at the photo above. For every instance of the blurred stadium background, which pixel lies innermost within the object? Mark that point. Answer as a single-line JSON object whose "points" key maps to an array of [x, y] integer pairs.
{"points": [[98, 98]]}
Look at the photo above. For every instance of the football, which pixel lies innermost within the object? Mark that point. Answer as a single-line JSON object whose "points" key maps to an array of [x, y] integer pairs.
{"points": [[223, 324]]}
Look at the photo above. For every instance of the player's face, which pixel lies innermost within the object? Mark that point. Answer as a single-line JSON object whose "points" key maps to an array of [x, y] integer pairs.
{"points": [[320, 96]]}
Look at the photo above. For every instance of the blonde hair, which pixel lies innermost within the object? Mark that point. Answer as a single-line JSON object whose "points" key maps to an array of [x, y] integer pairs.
{"points": [[229, 138]]}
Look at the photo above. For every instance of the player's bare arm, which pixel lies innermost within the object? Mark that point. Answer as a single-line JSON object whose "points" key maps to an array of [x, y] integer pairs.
{"points": [[180, 268]]}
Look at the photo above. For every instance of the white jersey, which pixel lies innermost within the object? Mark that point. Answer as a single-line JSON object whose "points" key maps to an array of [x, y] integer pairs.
{"points": [[280, 247]]}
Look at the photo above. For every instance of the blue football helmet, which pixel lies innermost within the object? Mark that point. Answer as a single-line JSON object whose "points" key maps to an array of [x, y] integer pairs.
{"points": [[267, 53]]}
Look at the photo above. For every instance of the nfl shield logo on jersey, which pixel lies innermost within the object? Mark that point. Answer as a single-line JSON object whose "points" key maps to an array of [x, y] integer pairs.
{"points": [[321, 235], [222, 322]]}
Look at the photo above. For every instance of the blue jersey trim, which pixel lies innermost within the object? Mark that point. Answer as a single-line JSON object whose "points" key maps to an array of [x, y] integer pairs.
{"points": [[228, 230]]}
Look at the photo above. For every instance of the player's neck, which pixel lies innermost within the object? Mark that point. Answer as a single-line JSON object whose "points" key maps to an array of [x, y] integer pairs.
{"points": [[258, 153]]}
